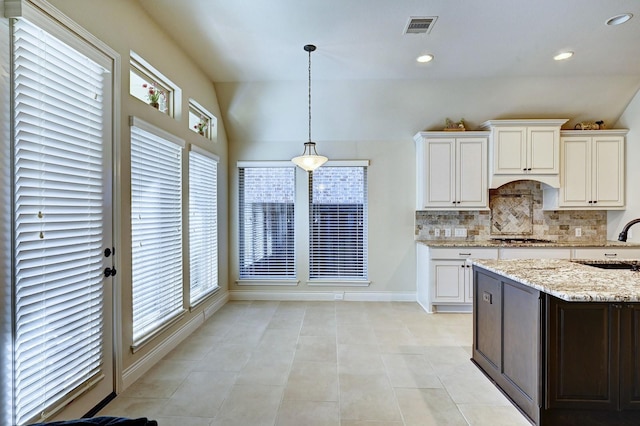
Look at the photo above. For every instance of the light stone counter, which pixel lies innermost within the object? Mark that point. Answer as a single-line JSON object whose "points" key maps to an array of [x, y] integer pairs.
{"points": [[569, 280], [495, 243]]}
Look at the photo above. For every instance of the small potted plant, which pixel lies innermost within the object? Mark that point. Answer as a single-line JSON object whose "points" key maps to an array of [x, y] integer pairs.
{"points": [[154, 93], [202, 126]]}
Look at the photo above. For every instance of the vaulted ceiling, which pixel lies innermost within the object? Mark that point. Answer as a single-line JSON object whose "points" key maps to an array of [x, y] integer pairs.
{"points": [[492, 59]]}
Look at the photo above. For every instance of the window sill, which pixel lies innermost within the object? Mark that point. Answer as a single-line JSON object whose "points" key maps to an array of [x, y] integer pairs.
{"points": [[292, 283], [339, 283]]}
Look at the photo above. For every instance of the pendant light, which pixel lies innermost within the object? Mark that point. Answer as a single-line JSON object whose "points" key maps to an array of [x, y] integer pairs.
{"points": [[309, 160]]}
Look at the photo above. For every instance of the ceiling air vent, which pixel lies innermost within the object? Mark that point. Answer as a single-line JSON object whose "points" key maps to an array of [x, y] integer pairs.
{"points": [[420, 24]]}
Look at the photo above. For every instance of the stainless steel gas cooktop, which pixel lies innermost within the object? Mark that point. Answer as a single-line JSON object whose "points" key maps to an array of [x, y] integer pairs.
{"points": [[520, 240]]}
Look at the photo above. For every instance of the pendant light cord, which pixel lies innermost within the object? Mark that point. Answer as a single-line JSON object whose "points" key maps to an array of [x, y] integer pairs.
{"points": [[310, 95]]}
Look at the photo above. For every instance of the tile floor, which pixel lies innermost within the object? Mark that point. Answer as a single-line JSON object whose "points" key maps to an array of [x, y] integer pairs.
{"points": [[320, 363]]}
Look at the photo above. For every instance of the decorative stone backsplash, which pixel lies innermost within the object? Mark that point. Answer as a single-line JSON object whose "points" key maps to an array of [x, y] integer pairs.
{"points": [[515, 210]]}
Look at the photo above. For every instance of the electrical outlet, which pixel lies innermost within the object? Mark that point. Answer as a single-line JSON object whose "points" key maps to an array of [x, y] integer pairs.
{"points": [[447, 232], [338, 295], [436, 232], [578, 232], [460, 232]]}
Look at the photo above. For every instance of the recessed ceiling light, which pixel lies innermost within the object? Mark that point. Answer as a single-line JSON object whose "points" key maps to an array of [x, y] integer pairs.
{"points": [[425, 58], [619, 19], [562, 56]]}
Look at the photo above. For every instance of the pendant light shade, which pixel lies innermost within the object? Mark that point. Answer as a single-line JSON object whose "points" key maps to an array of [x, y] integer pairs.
{"points": [[309, 160]]}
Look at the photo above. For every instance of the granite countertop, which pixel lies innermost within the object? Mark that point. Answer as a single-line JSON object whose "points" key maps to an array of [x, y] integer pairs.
{"points": [[570, 280], [497, 243]]}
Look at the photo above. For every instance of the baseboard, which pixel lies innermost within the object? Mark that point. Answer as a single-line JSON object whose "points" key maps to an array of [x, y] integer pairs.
{"points": [[217, 304], [453, 309], [425, 306], [144, 364], [354, 296]]}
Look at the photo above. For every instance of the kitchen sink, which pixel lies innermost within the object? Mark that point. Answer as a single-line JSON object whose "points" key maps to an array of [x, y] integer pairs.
{"points": [[634, 266]]}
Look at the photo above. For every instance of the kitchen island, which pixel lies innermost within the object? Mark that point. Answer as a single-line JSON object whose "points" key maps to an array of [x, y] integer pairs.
{"points": [[560, 338]]}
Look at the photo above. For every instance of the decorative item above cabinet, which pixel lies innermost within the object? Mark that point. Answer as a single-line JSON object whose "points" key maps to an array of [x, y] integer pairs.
{"points": [[451, 170], [524, 149], [592, 171]]}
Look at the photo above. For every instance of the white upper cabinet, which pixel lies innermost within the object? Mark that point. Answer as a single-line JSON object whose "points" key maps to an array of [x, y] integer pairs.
{"points": [[592, 172], [524, 149], [451, 169]]}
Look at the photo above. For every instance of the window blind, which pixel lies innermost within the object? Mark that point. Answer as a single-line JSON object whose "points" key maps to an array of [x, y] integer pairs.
{"points": [[59, 220], [267, 222], [338, 223], [156, 228], [203, 223]]}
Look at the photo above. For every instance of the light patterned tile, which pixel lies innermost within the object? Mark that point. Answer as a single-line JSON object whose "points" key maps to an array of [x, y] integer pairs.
{"points": [[490, 415]]}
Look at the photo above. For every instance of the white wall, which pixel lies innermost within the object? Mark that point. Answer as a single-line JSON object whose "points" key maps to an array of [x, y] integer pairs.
{"points": [[630, 119]]}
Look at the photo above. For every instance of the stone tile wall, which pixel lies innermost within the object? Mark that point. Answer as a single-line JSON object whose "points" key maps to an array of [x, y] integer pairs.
{"points": [[515, 211]]}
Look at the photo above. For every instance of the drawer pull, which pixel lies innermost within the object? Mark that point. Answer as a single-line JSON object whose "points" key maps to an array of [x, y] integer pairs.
{"points": [[610, 254], [464, 254]]}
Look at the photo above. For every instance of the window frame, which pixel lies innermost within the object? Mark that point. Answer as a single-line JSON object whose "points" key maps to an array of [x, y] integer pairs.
{"points": [[213, 234], [196, 109], [176, 314], [340, 281], [143, 69], [265, 280]]}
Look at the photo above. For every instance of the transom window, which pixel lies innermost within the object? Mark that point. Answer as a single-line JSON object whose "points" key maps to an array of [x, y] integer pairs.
{"points": [[151, 87], [202, 121]]}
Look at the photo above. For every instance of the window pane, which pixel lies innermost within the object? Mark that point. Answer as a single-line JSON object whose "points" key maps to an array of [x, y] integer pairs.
{"points": [[201, 121], [267, 222], [203, 225], [151, 87], [338, 223], [156, 231]]}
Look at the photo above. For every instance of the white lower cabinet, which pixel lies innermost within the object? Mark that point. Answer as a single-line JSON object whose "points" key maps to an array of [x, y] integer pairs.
{"points": [[451, 278], [610, 253]]}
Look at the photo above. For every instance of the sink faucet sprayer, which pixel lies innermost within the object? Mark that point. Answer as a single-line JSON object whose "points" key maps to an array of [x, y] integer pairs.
{"points": [[623, 234]]}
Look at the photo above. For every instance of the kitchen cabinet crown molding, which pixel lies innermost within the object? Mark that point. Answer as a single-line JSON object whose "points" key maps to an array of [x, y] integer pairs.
{"points": [[451, 134], [608, 132], [525, 122]]}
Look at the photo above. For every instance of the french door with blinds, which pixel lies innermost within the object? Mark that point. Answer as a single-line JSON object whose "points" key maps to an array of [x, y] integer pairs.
{"points": [[63, 263]]}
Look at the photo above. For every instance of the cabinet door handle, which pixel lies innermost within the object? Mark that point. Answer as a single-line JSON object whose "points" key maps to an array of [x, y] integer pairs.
{"points": [[590, 202], [595, 201]]}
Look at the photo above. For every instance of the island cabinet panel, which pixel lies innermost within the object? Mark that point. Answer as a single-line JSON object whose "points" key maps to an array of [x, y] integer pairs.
{"points": [[521, 336], [488, 312], [507, 337], [583, 355], [630, 359]]}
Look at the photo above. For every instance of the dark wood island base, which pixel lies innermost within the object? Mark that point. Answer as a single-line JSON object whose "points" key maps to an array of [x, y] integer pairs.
{"points": [[560, 362]]}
